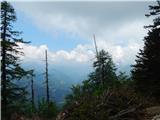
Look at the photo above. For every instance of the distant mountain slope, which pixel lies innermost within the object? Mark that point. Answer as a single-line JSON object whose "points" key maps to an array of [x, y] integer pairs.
{"points": [[61, 79]]}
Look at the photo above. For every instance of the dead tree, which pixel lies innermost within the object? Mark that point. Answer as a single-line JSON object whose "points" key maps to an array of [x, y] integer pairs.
{"points": [[32, 88], [95, 43], [98, 57], [46, 77]]}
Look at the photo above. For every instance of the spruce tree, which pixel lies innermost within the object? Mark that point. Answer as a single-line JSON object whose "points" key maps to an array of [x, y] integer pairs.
{"points": [[104, 73], [146, 73], [13, 95]]}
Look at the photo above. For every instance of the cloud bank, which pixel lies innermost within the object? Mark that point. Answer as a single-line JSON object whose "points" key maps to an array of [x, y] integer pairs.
{"points": [[33, 53], [118, 27]]}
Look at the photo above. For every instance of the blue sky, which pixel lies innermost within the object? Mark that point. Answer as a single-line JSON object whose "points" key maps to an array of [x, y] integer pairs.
{"points": [[66, 30], [38, 37]]}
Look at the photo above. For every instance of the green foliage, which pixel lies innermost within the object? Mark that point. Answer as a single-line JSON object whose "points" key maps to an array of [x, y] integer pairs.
{"points": [[46, 110], [13, 96], [104, 94], [42, 109], [29, 110], [99, 90], [104, 77], [104, 69], [124, 81], [106, 106], [146, 70], [99, 98], [76, 94]]}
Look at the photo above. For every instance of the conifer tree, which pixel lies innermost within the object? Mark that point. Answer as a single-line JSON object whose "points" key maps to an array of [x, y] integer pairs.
{"points": [[104, 69], [146, 73], [12, 94]]}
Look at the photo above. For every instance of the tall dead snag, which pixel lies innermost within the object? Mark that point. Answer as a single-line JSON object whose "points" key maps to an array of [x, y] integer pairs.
{"points": [[99, 59], [32, 88], [95, 43], [46, 75]]}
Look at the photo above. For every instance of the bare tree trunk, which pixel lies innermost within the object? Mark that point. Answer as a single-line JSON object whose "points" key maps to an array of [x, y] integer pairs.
{"points": [[47, 87], [32, 88]]}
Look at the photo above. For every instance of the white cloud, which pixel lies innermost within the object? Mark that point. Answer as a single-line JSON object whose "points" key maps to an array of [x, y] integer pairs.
{"points": [[118, 27], [83, 18], [82, 53], [123, 49], [37, 53], [33, 52]]}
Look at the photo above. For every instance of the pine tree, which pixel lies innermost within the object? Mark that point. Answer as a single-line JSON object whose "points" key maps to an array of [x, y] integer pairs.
{"points": [[12, 94], [104, 69], [103, 77], [146, 73]]}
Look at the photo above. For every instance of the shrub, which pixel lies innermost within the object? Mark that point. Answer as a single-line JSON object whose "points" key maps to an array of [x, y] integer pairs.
{"points": [[46, 110], [116, 104]]}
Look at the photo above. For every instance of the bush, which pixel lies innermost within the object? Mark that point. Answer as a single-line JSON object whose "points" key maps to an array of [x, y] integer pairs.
{"points": [[46, 110], [116, 104]]}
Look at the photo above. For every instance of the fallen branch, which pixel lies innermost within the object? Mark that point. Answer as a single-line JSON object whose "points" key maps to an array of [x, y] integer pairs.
{"points": [[121, 113]]}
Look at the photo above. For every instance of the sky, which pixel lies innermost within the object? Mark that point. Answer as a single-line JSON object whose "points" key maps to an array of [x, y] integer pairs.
{"points": [[66, 30]]}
